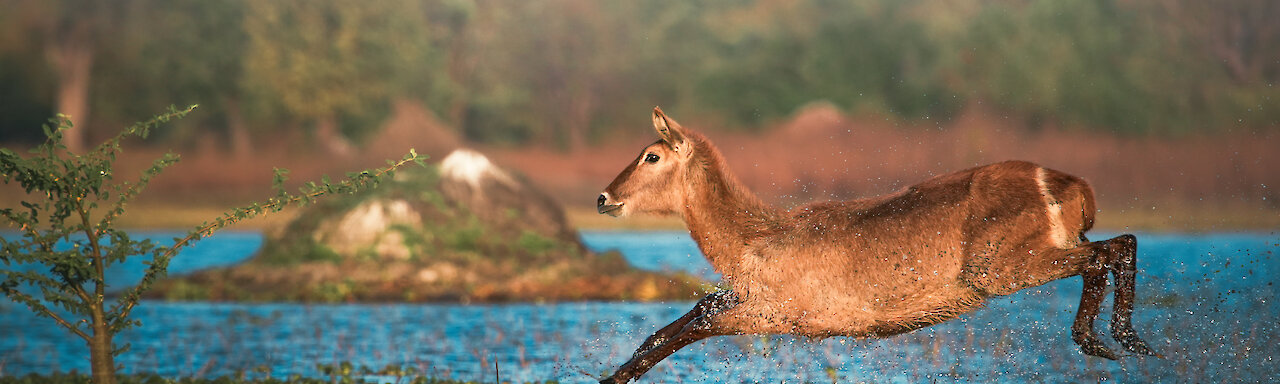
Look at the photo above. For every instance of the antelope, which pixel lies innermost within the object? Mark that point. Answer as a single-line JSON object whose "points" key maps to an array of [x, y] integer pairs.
{"points": [[873, 267]]}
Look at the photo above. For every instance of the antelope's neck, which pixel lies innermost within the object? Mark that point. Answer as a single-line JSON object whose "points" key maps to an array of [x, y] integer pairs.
{"points": [[723, 217]]}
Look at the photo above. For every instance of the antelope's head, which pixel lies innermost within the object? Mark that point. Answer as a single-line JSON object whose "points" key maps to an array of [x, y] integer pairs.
{"points": [[654, 182]]}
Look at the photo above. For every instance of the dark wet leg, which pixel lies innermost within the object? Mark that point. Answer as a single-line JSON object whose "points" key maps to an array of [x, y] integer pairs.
{"points": [[1095, 285], [693, 326], [642, 362], [1124, 266], [712, 302]]}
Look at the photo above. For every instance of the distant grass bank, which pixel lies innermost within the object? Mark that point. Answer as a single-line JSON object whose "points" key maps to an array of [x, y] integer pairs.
{"points": [[152, 216], [1187, 218]]}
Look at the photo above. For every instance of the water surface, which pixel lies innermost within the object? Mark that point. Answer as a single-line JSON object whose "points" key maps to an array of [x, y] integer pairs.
{"points": [[1208, 302]]}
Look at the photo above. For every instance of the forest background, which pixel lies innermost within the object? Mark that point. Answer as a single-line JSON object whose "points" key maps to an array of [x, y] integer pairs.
{"points": [[1167, 106]]}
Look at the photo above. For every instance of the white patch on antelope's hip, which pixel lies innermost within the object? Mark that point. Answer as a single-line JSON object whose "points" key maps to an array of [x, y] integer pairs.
{"points": [[1057, 230]]}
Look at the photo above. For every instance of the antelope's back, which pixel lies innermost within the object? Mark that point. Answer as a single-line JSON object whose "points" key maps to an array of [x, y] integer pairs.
{"points": [[1000, 201]]}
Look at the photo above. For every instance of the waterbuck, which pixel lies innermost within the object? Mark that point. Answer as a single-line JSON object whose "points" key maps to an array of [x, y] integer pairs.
{"points": [[872, 267]]}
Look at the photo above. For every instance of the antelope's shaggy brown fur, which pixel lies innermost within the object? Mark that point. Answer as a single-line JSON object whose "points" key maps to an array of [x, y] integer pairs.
{"points": [[871, 267]]}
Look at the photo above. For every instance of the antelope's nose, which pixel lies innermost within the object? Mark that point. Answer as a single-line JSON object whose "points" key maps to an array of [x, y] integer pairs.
{"points": [[604, 207]]}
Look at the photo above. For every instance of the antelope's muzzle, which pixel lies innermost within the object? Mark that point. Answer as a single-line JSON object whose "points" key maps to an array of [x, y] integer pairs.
{"points": [[603, 206]]}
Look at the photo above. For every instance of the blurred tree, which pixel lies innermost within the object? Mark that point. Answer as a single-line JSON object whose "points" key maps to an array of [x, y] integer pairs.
{"points": [[451, 32], [659, 51], [1229, 56], [69, 32], [25, 85], [876, 57], [1242, 35], [546, 68], [575, 60], [755, 72], [324, 62], [865, 56], [206, 70], [559, 72], [1055, 61]]}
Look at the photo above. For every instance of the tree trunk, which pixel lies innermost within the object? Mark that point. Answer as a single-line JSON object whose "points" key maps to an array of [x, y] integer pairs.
{"points": [[72, 59], [237, 131], [579, 119], [101, 361]]}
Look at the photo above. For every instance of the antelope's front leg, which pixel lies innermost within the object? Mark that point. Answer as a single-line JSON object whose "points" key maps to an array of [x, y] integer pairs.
{"points": [[693, 326]]}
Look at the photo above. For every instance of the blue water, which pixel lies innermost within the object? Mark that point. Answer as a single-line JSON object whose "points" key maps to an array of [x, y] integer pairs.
{"points": [[1208, 302]]}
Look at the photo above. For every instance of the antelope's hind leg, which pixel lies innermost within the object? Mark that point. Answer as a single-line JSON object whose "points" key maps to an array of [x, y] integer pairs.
{"points": [[688, 329], [1123, 261], [1094, 275], [1118, 256]]}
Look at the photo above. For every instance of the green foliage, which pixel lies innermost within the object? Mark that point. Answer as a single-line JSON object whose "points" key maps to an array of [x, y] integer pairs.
{"points": [[535, 244], [293, 253], [866, 57], [67, 226], [22, 99], [1070, 63], [334, 292], [559, 72], [317, 60], [207, 68], [187, 291], [465, 238]]}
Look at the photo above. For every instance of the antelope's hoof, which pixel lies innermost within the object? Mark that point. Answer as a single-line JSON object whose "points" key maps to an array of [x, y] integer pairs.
{"points": [[1090, 345], [1128, 338], [1099, 350], [1136, 345]]}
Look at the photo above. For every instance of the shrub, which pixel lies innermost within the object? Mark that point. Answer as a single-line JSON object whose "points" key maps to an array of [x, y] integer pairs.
{"points": [[67, 226]]}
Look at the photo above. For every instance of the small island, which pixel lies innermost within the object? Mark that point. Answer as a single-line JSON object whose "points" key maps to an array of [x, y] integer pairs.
{"points": [[463, 230]]}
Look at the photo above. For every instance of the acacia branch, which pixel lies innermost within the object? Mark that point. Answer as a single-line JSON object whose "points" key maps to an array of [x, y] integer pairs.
{"points": [[99, 259], [134, 189], [41, 309], [348, 185], [141, 129]]}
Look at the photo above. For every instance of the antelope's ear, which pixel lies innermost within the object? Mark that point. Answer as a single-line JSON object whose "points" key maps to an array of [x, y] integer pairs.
{"points": [[669, 130]]}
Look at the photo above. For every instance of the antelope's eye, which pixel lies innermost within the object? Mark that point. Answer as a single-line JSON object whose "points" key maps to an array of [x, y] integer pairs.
{"points": [[651, 158]]}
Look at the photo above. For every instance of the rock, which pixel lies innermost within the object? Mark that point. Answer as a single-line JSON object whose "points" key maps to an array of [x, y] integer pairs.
{"points": [[498, 197], [368, 225]]}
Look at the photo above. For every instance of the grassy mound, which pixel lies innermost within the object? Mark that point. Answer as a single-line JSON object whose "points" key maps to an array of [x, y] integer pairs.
{"points": [[427, 237]]}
